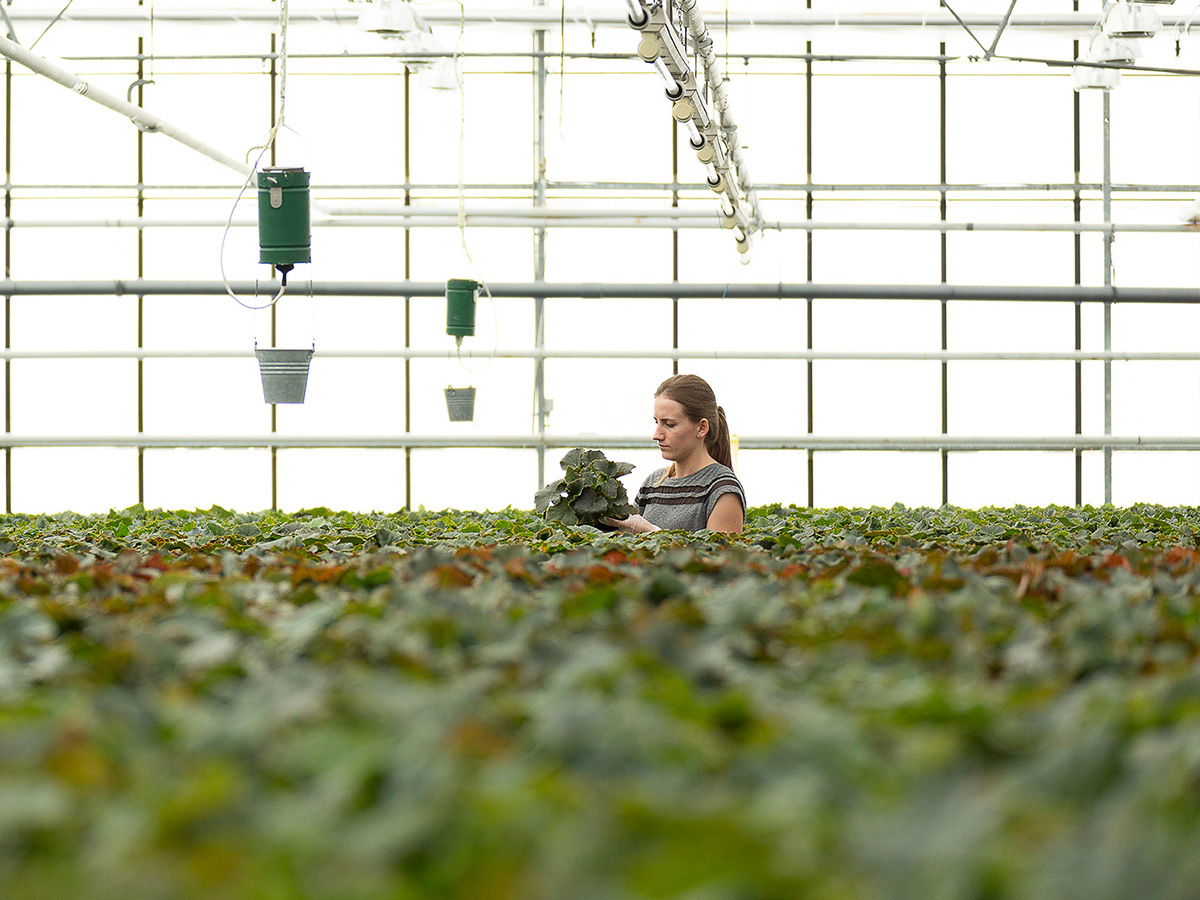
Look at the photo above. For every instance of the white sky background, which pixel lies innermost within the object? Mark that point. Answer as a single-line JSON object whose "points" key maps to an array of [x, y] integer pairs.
{"points": [[607, 121]]}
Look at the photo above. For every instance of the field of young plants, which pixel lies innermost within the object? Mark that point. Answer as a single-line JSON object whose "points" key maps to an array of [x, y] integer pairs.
{"points": [[838, 705]]}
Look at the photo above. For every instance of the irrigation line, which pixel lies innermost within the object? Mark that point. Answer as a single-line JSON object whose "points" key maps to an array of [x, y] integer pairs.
{"points": [[607, 15], [544, 217], [643, 291], [566, 441], [716, 355]]}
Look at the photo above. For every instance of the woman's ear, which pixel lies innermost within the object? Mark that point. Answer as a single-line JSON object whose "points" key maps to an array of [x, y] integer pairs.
{"points": [[702, 428]]}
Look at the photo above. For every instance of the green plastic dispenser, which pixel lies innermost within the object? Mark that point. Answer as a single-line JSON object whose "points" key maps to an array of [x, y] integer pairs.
{"points": [[460, 307], [284, 237]]}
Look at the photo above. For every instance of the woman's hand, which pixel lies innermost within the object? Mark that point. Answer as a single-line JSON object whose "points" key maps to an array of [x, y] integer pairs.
{"points": [[634, 524]]}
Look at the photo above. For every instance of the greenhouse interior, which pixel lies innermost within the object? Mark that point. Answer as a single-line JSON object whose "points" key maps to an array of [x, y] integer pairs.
{"points": [[346, 344], [944, 263]]}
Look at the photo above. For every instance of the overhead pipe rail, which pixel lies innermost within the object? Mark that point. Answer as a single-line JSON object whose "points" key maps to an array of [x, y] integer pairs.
{"points": [[714, 138], [543, 217], [140, 117], [541, 353], [624, 187], [720, 97], [925, 443], [801, 290], [548, 17]]}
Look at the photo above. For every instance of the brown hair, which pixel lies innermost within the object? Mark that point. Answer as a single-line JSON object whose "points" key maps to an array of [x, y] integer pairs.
{"points": [[699, 402]]}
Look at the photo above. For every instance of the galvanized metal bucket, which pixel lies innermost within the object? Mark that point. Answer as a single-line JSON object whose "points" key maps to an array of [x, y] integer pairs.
{"points": [[460, 404], [284, 374]]}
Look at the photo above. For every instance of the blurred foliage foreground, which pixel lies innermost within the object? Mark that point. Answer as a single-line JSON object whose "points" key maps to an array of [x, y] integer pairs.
{"points": [[857, 704]]}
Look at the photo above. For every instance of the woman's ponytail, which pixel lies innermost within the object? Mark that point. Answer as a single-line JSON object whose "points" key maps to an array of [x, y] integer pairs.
{"points": [[717, 443]]}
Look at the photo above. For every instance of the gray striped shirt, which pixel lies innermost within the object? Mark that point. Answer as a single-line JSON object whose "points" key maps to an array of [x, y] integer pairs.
{"points": [[686, 503]]}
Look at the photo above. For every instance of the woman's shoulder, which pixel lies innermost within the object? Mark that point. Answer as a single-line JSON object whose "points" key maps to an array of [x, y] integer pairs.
{"points": [[717, 471], [720, 479]]}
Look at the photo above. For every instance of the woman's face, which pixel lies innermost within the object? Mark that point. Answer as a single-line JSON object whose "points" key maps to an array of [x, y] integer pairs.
{"points": [[677, 436]]}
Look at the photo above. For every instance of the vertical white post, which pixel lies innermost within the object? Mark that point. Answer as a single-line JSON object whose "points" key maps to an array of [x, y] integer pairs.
{"points": [[539, 240], [1106, 189]]}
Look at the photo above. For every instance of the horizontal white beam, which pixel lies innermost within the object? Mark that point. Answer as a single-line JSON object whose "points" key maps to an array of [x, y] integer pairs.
{"points": [[612, 14], [482, 355], [542, 217], [600, 291], [625, 442]]}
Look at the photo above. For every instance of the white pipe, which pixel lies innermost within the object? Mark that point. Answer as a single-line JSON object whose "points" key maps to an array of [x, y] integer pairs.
{"points": [[415, 217], [532, 441], [140, 117], [712, 73], [608, 290], [469, 355], [549, 17], [386, 208], [690, 107]]}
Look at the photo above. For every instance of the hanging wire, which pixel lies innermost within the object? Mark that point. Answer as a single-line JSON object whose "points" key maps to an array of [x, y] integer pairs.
{"points": [[142, 81], [53, 22], [726, 40], [562, 63], [495, 339], [8, 25], [312, 313], [151, 73], [456, 61], [262, 149], [462, 191]]}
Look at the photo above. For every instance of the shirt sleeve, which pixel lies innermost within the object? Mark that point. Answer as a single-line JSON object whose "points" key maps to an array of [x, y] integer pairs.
{"points": [[725, 484]]}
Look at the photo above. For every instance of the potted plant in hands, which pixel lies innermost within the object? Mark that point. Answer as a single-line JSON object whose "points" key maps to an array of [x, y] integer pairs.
{"points": [[590, 490]]}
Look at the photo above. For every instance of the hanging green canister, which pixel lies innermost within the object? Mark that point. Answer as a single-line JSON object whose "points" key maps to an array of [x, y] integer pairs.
{"points": [[284, 237], [460, 307]]}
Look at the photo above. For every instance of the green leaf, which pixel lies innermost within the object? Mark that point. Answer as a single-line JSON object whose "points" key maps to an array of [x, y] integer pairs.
{"points": [[591, 503], [621, 510], [547, 495]]}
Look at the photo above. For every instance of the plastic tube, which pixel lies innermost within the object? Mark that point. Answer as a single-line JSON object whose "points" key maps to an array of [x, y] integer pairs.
{"points": [[674, 90], [139, 116]]}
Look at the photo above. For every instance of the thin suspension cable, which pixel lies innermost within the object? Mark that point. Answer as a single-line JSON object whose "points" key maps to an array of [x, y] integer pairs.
{"points": [[140, 116], [991, 51], [262, 149], [462, 188], [965, 26], [12, 34], [151, 73], [53, 22]]}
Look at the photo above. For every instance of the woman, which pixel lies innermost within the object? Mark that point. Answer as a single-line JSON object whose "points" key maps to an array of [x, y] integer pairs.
{"points": [[698, 490]]}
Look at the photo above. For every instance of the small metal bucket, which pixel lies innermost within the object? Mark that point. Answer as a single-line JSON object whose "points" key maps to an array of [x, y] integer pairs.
{"points": [[284, 374], [460, 404]]}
